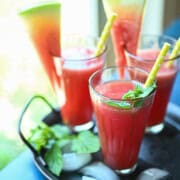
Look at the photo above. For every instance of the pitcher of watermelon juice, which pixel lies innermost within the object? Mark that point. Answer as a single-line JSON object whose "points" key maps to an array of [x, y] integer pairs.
{"points": [[149, 47], [74, 67], [127, 26]]}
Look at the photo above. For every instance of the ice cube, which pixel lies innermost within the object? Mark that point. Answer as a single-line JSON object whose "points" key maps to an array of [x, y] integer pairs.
{"points": [[154, 174]]}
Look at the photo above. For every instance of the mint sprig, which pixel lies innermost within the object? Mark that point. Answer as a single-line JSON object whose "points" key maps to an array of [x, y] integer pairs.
{"points": [[40, 136], [133, 94], [148, 90], [120, 104], [139, 92], [85, 142], [56, 138], [54, 160], [133, 98]]}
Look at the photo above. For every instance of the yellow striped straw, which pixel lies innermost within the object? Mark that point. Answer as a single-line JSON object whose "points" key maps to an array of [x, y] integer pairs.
{"points": [[157, 65], [174, 53], [105, 34]]}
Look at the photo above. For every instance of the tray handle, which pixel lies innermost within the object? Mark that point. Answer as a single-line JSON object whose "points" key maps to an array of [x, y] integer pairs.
{"points": [[22, 115]]}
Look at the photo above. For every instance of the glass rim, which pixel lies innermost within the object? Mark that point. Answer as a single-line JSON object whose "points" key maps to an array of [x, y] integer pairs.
{"points": [[106, 98], [91, 57], [147, 60], [84, 59]]}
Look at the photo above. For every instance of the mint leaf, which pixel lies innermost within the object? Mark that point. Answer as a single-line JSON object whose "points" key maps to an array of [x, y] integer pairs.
{"points": [[85, 142], [121, 104], [132, 94], [64, 144], [138, 94], [40, 136], [53, 158], [147, 91], [60, 131], [138, 103]]}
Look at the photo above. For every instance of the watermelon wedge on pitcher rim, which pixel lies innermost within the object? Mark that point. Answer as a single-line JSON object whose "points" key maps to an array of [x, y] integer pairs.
{"points": [[42, 22]]}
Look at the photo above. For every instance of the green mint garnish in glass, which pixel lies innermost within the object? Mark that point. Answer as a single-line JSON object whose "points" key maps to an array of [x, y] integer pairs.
{"points": [[139, 92], [120, 104], [136, 96]]}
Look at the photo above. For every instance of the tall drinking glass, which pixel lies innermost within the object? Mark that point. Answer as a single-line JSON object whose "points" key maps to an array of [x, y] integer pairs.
{"points": [[149, 48], [74, 68], [121, 123], [127, 25]]}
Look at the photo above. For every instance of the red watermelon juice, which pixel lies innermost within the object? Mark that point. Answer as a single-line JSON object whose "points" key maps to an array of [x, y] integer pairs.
{"points": [[120, 129], [165, 80], [76, 67]]}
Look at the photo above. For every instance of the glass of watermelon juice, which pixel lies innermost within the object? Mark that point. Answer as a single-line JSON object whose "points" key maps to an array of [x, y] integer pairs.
{"points": [[121, 123], [74, 68], [149, 48]]}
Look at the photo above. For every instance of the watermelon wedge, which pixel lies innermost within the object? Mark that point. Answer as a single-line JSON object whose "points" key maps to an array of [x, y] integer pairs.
{"points": [[127, 26], [42, 22]]}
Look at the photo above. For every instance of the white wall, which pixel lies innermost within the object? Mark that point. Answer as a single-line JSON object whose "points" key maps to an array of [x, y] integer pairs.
{"points": [[153, 17], [79, 16]]}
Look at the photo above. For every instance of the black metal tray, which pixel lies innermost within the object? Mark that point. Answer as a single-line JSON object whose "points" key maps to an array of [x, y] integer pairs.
{"points": [[160, 151]]}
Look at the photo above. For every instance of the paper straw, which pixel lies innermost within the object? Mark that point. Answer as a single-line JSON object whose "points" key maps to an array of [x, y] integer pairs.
{"points": [[174, 53], [157, 65], [105, 34]]}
